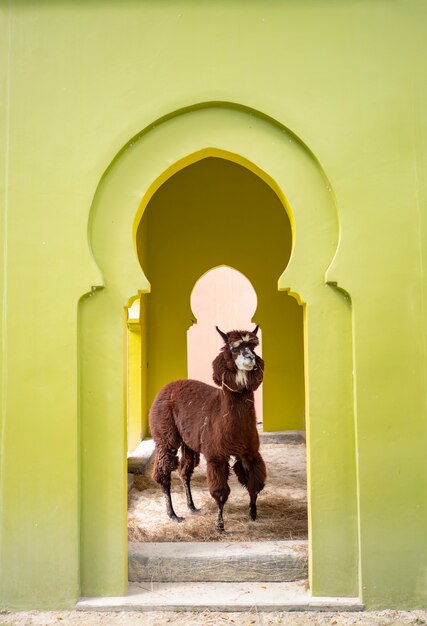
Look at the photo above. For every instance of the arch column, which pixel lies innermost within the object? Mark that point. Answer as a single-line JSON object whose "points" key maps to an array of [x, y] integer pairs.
{"points": [[273, 153]]}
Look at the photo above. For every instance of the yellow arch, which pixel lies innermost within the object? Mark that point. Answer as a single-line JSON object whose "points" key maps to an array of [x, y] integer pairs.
{"points": [[199, 198], [198, 156]]}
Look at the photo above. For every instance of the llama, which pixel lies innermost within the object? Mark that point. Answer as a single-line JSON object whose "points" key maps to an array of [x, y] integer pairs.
{"points": [[219, 423]]}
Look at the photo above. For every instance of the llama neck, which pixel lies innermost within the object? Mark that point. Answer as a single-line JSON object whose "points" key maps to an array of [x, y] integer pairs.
{"points": [[242, 401], [238, 420], [241, 378], [235, 383]]}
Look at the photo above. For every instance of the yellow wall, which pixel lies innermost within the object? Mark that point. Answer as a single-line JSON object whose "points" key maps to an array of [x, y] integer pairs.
{"points": [[211, 213], [97, 102]]}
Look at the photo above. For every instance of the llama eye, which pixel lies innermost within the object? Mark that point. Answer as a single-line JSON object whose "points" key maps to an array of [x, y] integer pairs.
{"points": [[234, 350]]}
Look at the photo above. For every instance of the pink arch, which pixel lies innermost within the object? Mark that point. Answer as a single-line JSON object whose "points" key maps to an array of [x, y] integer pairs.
{"points": [[222, 297]]}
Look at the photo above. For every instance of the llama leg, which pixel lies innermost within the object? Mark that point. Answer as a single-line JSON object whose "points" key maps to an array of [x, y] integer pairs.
{"points": [[165, 461], [256, 474], [240, 472], [169, 507], [252, 506], [217, 473], [189, 460]]}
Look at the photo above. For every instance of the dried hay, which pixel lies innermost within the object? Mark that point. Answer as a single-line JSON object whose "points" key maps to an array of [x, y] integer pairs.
{"points": [[282, 506]]}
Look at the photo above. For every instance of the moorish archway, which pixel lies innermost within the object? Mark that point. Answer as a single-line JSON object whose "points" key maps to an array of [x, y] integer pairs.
{"points": [[279, 158]]}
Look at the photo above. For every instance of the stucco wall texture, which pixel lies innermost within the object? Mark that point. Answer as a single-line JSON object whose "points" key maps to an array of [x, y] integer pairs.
{"points": [[100, 104]]}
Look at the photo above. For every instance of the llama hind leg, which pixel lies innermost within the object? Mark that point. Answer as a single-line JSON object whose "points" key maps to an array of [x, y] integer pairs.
{"points": [[240, 472], [189, 460], [165, 462], [217, 474], [256, 474]]}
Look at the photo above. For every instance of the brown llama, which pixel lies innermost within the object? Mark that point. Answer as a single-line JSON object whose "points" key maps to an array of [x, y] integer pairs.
{"points": [[219, 423]]}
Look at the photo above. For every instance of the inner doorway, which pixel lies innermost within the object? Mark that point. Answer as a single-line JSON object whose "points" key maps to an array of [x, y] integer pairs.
{"points": [[216, 212], [225, 298]]}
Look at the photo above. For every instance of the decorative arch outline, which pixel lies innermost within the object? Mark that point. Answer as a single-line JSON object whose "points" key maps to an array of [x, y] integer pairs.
{"points": [[248, 128]]}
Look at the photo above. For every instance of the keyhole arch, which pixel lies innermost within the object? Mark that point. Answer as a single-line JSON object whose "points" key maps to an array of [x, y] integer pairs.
{"points": [[278, 156], [223, 296]]}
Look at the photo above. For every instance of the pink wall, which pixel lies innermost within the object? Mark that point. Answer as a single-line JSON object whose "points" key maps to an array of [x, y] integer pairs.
{"points": [[223, 297]]}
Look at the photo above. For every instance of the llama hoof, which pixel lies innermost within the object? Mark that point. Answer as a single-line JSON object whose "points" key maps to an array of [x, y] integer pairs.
{"points": [[177, 519], [194, 511], [252, 512]]}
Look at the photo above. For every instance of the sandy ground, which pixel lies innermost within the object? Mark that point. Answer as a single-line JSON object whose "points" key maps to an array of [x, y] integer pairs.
{"points": [[282, 505], [91, 618]]}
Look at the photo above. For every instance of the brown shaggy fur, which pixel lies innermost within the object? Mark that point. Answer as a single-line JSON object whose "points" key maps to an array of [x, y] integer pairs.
{"points": [[219, 423]]}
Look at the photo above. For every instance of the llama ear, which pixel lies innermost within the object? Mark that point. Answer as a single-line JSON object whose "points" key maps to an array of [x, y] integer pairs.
{"points": [[254, 332], [223, 335]]}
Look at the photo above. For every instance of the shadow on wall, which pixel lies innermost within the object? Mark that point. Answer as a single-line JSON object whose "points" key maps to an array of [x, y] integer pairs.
{"points": [[222, 297]]}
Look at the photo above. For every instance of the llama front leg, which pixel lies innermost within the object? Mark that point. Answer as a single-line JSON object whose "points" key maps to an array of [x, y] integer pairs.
{"points": [[217, 474], [188, 461], [165, 462], [169, 507], [256, 474]]}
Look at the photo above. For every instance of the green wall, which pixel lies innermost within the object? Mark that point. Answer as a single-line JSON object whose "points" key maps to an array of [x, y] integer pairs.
{"points": [[212, 213], [81, 84]]}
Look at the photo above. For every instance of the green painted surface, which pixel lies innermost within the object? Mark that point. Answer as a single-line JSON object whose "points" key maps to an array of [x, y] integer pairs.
{"points": [[78, 82]]}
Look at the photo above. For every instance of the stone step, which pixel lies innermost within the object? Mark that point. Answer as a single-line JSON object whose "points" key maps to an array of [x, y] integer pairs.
{"points": [[139, 460], [219, 597], [218, 561], [281, 436]]}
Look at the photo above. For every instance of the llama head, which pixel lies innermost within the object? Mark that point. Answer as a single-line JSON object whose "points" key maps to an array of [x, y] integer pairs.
{"points": [[240, 345], [237, 365]]}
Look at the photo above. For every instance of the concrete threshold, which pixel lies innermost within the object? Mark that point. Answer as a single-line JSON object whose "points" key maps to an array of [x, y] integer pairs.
{"points": [[218, 561], [281, 436], [291, 596]]}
